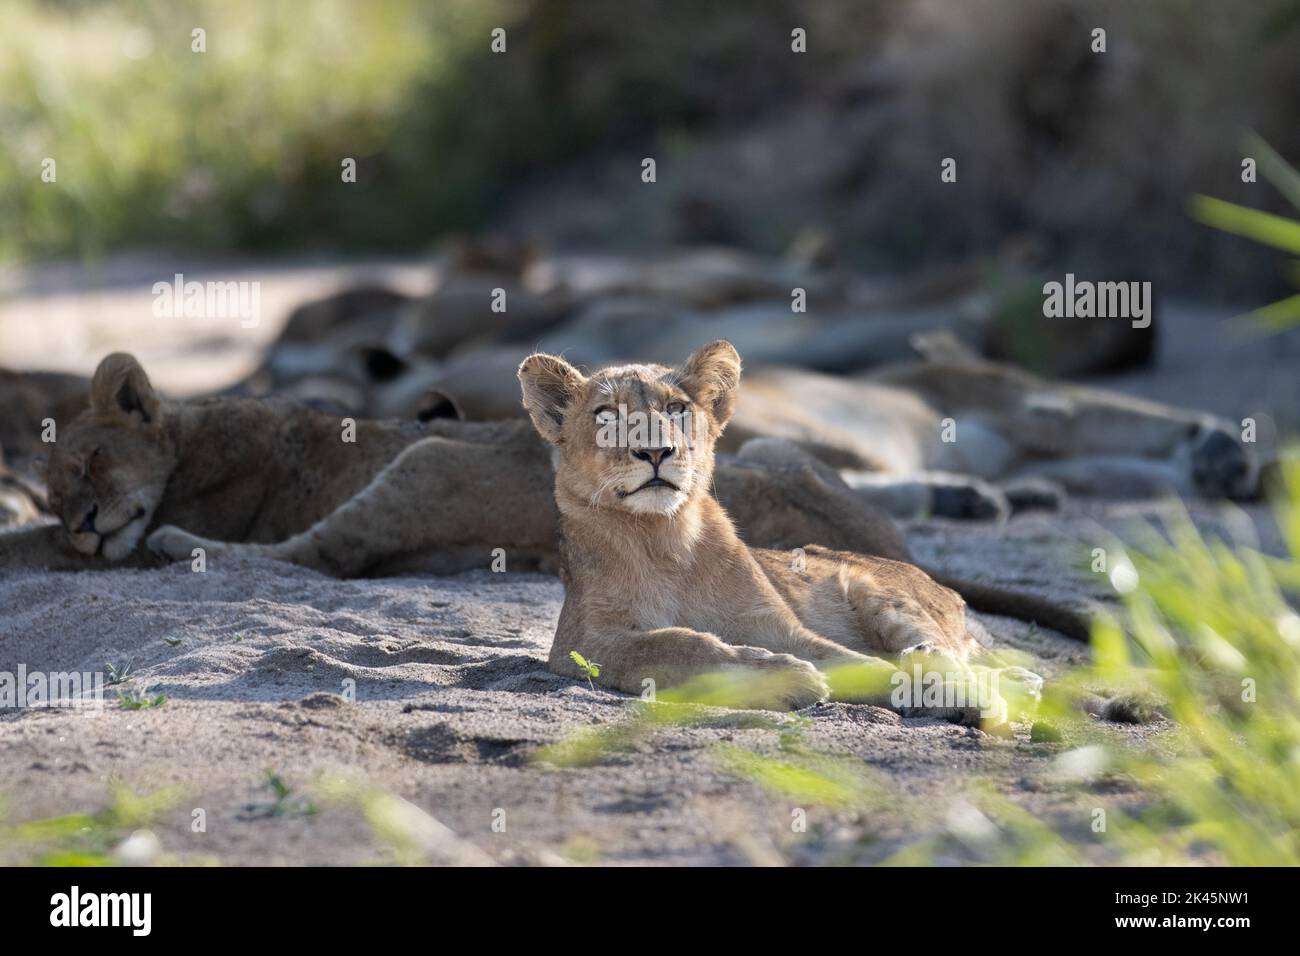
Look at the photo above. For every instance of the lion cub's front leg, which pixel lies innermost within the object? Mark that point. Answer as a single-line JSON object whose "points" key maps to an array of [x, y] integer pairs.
{"points": [[45, 546], [669, 658], [889, 606]]}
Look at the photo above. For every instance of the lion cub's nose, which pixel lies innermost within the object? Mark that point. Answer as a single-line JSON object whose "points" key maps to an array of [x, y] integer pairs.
{"points": [[656, 456]]}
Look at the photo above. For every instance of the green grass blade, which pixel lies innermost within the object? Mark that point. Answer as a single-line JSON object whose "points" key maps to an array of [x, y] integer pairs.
{"points": [[1277, 317], [1283, 176], [1276, 231]]}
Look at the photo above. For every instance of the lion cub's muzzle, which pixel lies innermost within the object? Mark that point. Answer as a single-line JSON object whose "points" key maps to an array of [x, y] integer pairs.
{"points": [[91, 536], [656, 458]]}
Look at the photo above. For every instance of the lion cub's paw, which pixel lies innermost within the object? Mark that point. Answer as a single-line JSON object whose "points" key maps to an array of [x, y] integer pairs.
{"points": [[1003, 695], [933, 656], [172, 543], [1024, 684], [1134, 707], [787, 681]]}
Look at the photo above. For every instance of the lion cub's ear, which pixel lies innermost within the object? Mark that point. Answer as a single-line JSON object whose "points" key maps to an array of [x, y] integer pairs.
{"points": [[121, 390], [712, 376], [549, 385]]}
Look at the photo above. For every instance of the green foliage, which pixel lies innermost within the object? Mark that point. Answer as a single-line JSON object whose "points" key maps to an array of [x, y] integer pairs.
{"points": [[591, 745], [140, 700], [589, 669], [240, 146], [118, 675], [86, 839], [1276, 231], [410, 835], [804, 776], [1221, 643], [285, 801], [1263, 227], [1208, 636]]}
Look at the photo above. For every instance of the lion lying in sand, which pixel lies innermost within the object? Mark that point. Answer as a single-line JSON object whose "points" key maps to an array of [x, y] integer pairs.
{"points": [[660, 589]]}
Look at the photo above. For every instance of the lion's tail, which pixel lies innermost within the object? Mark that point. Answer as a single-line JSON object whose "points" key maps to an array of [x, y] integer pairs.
{"points": [[993, 599]]}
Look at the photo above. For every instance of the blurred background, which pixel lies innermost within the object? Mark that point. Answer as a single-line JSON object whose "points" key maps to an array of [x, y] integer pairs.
{"points": [[227, 163]]}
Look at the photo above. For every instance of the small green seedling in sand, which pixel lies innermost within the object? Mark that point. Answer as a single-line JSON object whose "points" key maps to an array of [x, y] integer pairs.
{"points": [[116, 676], [589, 669], [140, 700], [285, 801], [173, 641]]}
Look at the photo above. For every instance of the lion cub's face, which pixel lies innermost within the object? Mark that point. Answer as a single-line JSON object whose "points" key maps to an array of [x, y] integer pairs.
{"points": [[109, 467], [637, 438]]}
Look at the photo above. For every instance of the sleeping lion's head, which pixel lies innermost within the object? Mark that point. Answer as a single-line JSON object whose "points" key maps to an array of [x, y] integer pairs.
{"points": [[637, 438], [109, 466]]}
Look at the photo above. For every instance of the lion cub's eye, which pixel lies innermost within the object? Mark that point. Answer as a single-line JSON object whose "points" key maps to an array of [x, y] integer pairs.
{"points": [[605, 415], [675, 408]]}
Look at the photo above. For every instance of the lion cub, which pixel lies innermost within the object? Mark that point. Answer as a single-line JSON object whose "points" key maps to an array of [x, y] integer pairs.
{"points": [[659, 585]]}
